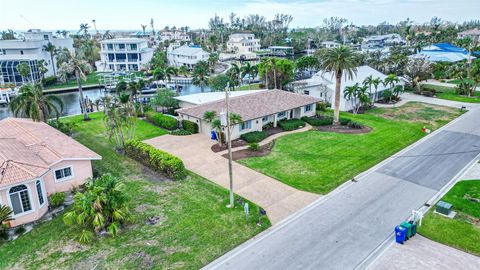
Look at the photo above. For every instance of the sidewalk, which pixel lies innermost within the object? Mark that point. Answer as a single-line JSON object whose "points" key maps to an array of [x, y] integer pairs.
{"points": [[409, 97], [423, 253], [278, 199]]}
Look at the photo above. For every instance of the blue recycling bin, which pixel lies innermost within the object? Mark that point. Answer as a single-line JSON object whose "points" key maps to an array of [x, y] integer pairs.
{"points": [[214, 135], [400, 234]]}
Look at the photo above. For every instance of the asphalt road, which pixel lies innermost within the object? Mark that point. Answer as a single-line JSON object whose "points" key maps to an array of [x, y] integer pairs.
{"points": [[339, 232]]}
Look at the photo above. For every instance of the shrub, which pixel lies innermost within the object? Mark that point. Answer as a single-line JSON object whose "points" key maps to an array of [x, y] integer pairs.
{"points": [[64, 127], [103, 206], [19, 230], [3, 232], [51, 80], [254, 136], [190, 126], [181, 132], [344, 121], [321, 106], [161, 120], [253, 147], [291, 124], [354, 124], [57, 199], [157, 160], [318, 121], [387, 95]]}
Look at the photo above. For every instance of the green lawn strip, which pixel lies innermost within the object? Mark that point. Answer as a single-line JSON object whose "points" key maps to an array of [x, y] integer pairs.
{"points": [[459, 232], [448, 93], [320, 161], [253, 86], [92, 79], [195, 226]]}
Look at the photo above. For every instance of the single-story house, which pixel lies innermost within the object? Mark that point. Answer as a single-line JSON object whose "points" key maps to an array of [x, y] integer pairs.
{"points": [[200, 98], [37, 160], [256, 109], [322, 86]]}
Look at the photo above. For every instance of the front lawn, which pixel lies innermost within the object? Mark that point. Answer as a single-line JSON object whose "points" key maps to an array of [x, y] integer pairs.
{"points": [[253, 86], [320, 161], [92, 79], [195, 226], [462, 232], [445, 92]]}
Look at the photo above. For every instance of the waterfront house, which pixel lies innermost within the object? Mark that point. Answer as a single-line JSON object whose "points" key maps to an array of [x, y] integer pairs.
{"points": [[124, 54], [473, 34], [36, 161], [329, 44], [243, 44], [29, 50], [257, 110], [443, 52], [322, 86], [186, 55]]}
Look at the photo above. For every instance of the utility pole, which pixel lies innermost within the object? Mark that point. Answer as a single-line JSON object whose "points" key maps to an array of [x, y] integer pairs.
{"points": [[229, 144]]}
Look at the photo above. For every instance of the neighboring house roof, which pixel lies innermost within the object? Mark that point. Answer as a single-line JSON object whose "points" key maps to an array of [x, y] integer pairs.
{"points": [[28, 149], [187, 50], [202, 98], [253, 106], [443, 52], [444, 47], [474, 31]]}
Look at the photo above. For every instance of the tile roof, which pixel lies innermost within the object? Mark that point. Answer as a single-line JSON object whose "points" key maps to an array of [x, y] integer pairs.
{"points": [[255, 105], [28, 149]]}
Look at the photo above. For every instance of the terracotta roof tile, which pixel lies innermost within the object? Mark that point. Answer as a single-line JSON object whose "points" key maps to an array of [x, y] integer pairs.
{"points": [[253, 106]]}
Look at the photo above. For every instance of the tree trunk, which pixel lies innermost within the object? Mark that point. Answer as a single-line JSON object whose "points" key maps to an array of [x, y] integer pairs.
{"points": [[53, 66], [80, 92], [141, 102], [336, 113], [275, 78]]}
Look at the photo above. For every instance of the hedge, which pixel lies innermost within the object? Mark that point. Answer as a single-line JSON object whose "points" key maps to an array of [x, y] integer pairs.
{"points": [[254, 136], [190, 126], [291, 124], [181, 132], [155, 159], [161, 120], [318, 121]]}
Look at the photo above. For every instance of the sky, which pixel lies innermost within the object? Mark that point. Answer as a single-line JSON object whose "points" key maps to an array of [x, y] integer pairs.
{"points": [[130, 14]]}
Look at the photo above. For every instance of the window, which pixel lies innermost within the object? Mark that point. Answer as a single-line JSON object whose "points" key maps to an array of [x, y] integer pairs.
{"points": [[265, 119], [20, 200], [45, 37], [308, 108], [281, 114], [246, 125], [64, 173], [41, 199], [21, 52], [110, 47], [306, 92]]}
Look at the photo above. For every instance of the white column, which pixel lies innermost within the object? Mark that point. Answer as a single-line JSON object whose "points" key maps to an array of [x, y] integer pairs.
{"points": [[275, 117]]}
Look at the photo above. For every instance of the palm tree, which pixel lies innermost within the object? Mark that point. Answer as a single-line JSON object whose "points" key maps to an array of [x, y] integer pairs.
{"points": [[211, 117], [249, 70], [52, 50], [75, 65], [200, 74], [24, 70], [31, 102], [237, 72], [391, 80], [183, 70], [338, 61], [369, 82], [5, 214], [350, 93], [376, 82]]}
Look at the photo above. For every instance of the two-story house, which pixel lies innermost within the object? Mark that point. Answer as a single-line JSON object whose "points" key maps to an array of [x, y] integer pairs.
{"points": [[124, 54]]}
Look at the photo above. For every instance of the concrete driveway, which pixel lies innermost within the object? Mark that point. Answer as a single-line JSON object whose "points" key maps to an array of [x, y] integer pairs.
{"points": [[343, 229], [278, 199]]}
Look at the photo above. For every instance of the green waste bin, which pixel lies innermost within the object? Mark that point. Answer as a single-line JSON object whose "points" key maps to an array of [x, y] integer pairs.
{"points": [[407, 225]]}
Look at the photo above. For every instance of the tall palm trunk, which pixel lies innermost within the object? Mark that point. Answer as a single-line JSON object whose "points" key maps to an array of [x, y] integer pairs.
{"points": [[80, 92], [275, 77], [336, 113], [53, 65]]}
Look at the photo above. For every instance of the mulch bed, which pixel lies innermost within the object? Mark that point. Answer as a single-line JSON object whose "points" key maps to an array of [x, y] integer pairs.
{"points": [[246, 153], [344, 129], [239, 142]]}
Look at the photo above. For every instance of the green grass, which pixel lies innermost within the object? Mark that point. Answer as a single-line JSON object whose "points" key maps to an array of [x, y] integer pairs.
{"points": [[448, 93], [320, 161], [253, 86], [195, 226], [92, 79], [459, 232]]}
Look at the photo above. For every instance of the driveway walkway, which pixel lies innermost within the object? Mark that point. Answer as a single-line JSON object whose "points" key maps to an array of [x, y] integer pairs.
{"points": [[422, 253], [343, 229], [408, 97], [278, 199]]}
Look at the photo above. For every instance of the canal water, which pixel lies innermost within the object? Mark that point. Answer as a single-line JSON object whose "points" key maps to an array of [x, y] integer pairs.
{"points": [[71, 106]]}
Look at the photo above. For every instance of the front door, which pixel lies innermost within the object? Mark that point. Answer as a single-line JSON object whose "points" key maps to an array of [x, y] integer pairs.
{"points": [[291, 114]]}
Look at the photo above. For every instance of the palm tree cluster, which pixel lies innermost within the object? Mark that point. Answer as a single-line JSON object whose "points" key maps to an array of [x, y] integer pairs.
{"points": [[276, 72], [211, 117], [33, 103], [102, 206]]}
